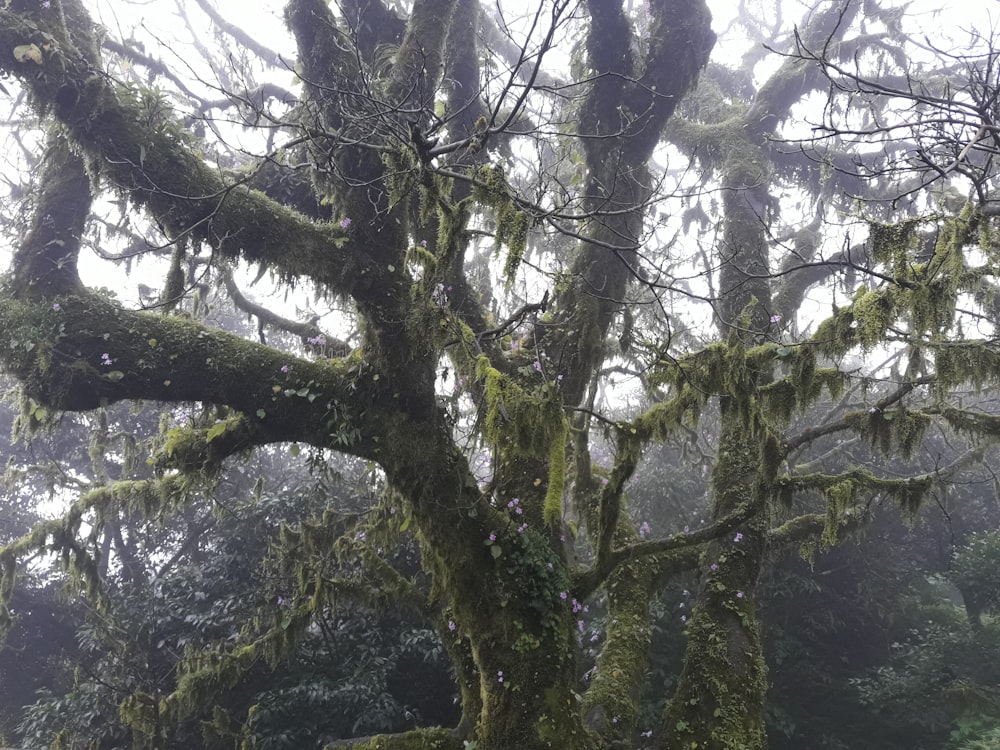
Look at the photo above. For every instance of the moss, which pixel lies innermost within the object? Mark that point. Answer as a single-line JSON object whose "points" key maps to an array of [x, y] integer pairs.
{"points": [[955, 363], [719, 702], [892, 244], [611, 703], [552, 507], [873, 311], [899, 428], [83, 352], [974, 424], [418, 739], [839, 498], [512, 223], [520, 422]]}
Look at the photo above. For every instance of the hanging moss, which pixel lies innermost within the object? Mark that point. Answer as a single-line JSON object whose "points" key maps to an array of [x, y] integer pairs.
{"points": [[874, 311], [659, 421], [892, 244], [512, 223], [899, 428], [839, 498], [908, 429], [956, 363], [523, 423], [974, 424]]}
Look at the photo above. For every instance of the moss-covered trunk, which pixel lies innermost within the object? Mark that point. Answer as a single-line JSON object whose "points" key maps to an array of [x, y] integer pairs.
{"points": [[501, 578], [719, 703]]}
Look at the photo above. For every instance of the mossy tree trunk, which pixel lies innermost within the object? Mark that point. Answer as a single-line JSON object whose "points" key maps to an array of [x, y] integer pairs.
{"points": [[719, 701]]}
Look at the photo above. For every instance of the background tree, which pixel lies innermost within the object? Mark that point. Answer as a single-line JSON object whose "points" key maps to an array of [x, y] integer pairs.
{"points": [[412, 142]]}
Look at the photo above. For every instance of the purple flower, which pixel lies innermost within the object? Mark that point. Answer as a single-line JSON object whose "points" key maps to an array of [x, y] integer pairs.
{"points": [[285, 368], [500, 676], [317, 340], [493, 536], [738, 538], [644, 530], [55, 306], [580, 625], [106, 359], [537, 365], [562, 595], [345, 223], [713, 566], [775, 318], [522, 528], [451, 625], [739, 594]]}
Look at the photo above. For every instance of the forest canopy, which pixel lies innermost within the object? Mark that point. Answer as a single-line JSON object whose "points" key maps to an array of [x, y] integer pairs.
{"points": [[388, 328]]}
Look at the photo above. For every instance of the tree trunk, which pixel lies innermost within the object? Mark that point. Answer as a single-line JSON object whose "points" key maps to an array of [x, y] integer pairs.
{"points": [[719, 703]]}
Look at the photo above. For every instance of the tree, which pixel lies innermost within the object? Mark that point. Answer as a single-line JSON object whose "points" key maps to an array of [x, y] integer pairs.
{"points": [[414, 144]]}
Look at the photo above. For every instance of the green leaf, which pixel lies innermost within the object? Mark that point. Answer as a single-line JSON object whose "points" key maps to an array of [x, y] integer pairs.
{"points": [[406, 524], [214, 431], [496, 551]]}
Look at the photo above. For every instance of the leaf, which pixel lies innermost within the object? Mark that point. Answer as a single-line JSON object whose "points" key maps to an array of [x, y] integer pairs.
{"points": [[115, 375], [215, 430], [406, 524], [496, 551], [28, 53], [261, 413], [295, 449]]}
